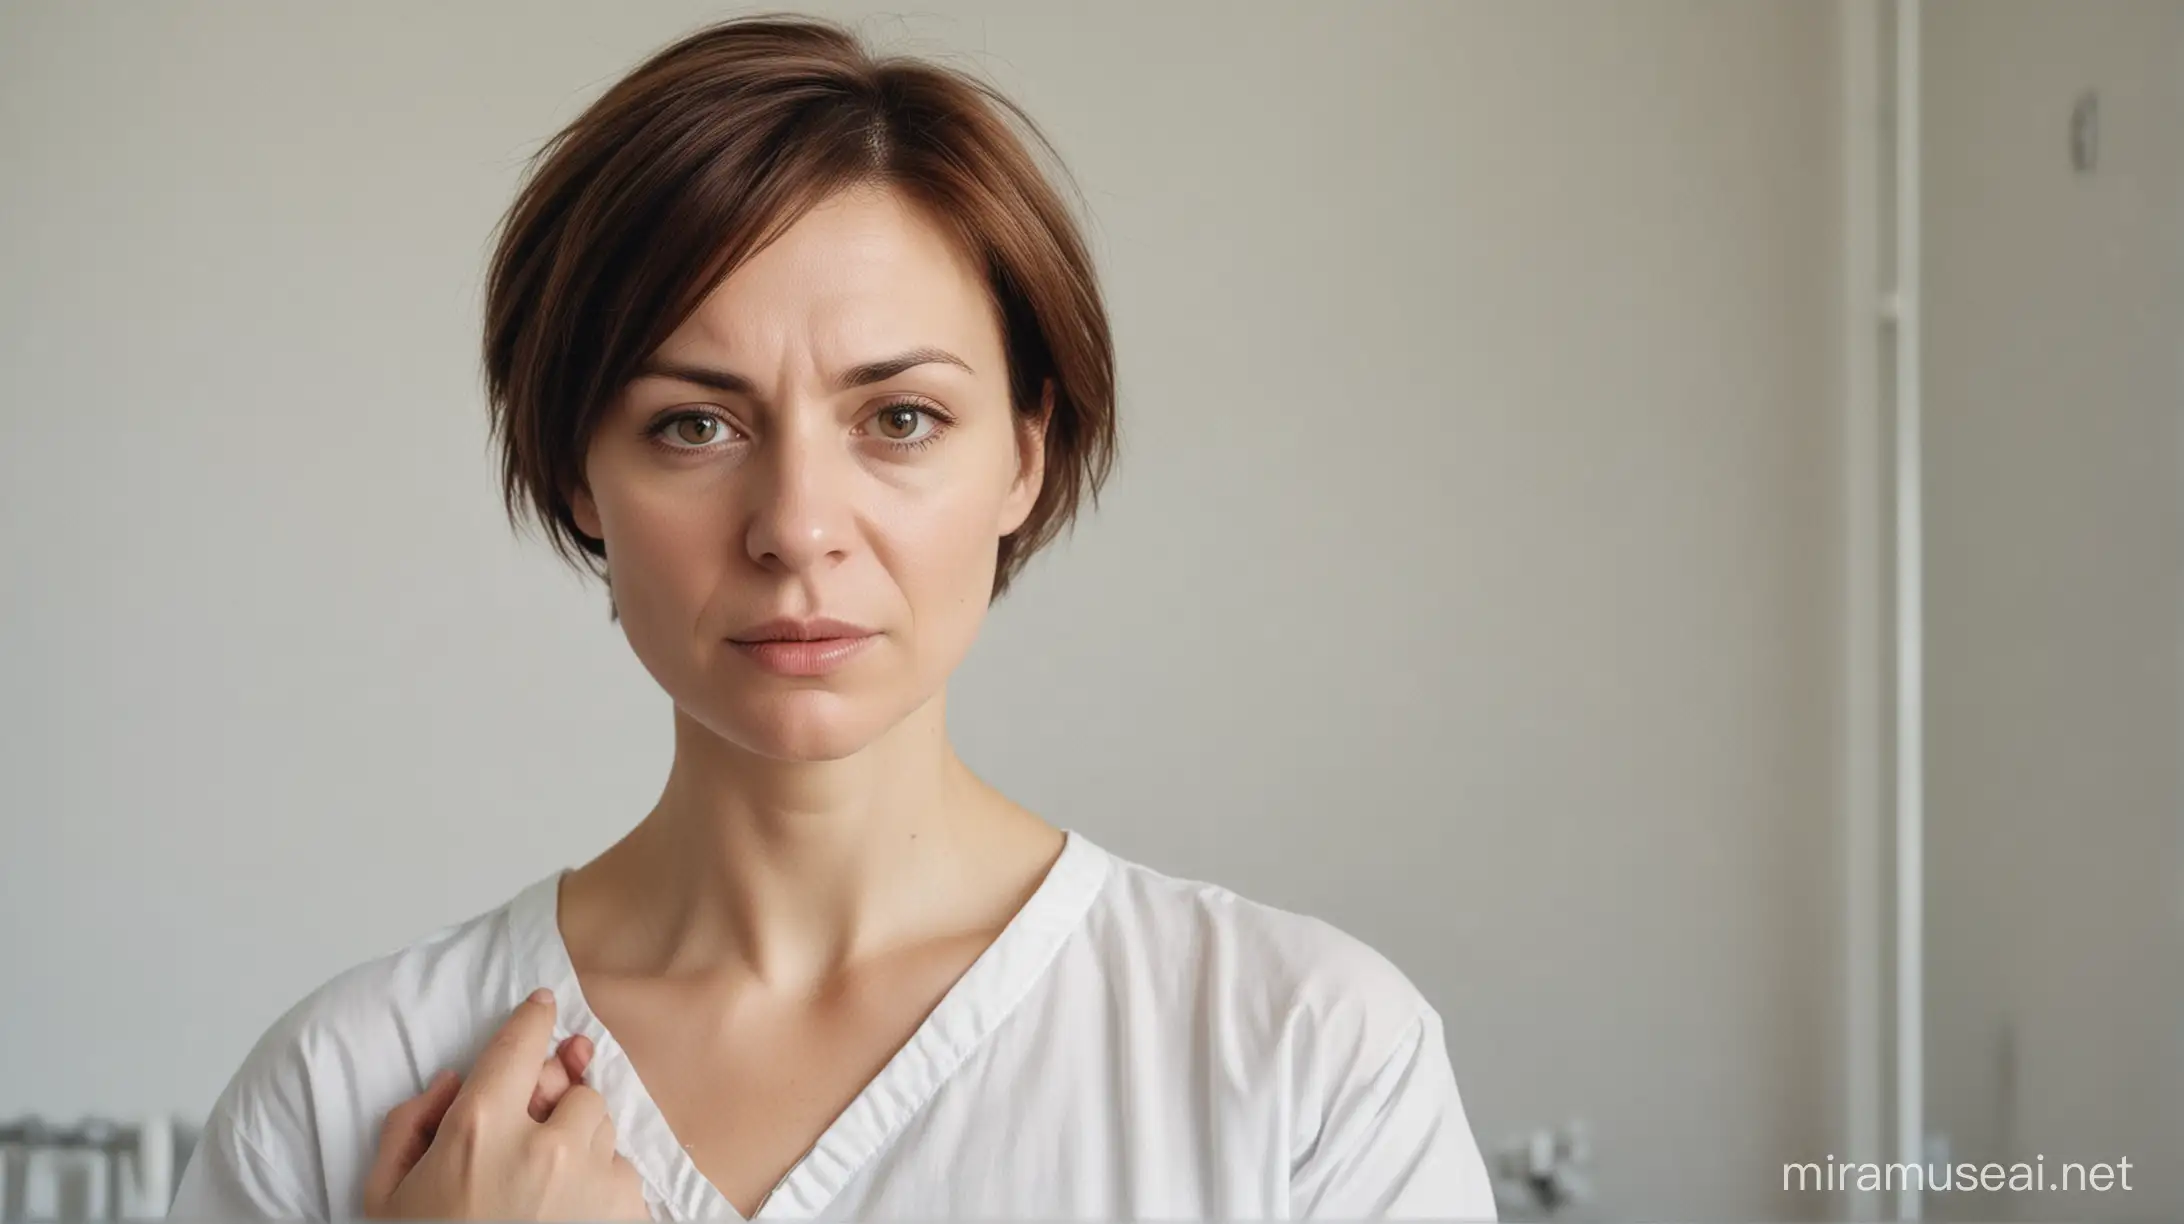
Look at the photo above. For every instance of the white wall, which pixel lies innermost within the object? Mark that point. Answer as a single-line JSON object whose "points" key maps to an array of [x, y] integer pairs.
{"points": [[1497, 334], [2055, 597]]}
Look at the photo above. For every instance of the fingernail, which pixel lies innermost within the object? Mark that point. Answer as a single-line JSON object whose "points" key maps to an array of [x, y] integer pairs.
{"points": [[542, 995], [441, 1078]]}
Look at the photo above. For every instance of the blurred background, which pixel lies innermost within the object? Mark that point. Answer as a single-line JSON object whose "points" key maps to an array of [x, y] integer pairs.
{"points": [[1738, 440]]}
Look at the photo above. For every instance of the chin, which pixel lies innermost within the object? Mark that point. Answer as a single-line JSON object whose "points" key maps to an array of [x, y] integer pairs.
{"points": [[807, 726]]}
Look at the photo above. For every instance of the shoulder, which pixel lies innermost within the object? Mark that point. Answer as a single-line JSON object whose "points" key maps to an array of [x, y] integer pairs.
{"points": [[1298, 980], [419, 999], [299, 1118], [1378, 1126]]}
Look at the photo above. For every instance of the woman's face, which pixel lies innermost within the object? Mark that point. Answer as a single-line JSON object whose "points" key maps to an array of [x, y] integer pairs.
{"points": [[828, 436]]}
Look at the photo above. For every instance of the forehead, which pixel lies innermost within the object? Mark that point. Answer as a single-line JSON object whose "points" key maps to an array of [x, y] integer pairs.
{"points": [[864, 272]]}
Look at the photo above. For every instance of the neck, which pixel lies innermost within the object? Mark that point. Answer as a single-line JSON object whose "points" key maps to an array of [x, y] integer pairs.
{"points": [[787, 872]]}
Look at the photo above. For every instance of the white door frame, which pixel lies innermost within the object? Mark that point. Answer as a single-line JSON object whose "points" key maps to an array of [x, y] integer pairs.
{"points": [[1882, 1102]]}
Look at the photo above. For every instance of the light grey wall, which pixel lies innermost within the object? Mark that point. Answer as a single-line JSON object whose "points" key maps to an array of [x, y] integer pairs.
{"points": [[2055, 597], [1466, 580]]}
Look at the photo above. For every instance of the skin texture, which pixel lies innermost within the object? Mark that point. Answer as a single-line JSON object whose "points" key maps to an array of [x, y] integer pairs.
{"points": [[881, 505], [820, 866]]}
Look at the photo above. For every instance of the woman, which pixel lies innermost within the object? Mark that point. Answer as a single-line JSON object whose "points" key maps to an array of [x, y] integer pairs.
{"points": [[802, 353]]}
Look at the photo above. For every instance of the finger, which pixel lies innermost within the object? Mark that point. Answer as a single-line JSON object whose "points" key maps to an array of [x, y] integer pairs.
{"points": [[405, 1136], [580, 1111], [553, 1080], [565, 1067], [576, 1055], [508, 1068]]}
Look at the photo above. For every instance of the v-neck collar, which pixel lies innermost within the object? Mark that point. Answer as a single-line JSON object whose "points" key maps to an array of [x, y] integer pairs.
{"points": [[972, 1008]]}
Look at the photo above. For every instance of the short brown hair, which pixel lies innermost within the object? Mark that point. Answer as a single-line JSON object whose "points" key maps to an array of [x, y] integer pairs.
{"points": [[712, 148]]}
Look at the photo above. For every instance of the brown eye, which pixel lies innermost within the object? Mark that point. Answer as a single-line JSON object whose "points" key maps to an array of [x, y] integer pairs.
{"points": [[696, 430], [900, 422]]}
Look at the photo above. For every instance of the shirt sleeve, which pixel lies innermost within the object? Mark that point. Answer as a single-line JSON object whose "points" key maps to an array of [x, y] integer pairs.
{"points": [[260, 1156], [229, 1178], [1396, 1144]]}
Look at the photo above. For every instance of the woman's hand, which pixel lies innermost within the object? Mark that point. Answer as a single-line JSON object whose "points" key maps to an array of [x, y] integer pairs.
{"points": [[410, 1126], [524, 1138]]}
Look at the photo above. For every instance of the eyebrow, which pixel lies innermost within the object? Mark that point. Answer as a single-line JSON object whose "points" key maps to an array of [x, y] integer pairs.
{"points": [[856, 376]]}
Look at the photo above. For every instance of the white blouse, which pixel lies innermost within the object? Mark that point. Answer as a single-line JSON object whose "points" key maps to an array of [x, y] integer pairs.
{"points": [[1132, 1046]]}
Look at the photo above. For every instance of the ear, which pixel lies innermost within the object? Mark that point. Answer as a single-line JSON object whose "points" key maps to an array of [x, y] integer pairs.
{"points": [[1031, 430], [585, 512]]}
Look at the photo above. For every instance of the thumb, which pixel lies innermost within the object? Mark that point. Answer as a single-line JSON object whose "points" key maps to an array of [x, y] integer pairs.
{"points": [[405, 1138]]}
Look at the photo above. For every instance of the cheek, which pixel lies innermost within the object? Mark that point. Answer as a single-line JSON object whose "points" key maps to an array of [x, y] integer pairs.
{"points": [[665, 545], [947, 534], [943, 551]]}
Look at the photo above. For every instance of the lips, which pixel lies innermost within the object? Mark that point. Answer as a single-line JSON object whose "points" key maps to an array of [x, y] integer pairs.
{"points": [[789, 629], [813, 647]]}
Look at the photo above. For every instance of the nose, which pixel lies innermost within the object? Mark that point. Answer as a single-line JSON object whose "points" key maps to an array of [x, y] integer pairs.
{"points": [[800, 518]]}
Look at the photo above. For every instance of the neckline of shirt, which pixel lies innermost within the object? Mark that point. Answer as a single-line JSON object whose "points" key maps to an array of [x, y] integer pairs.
{"points": [[984, 996]]}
